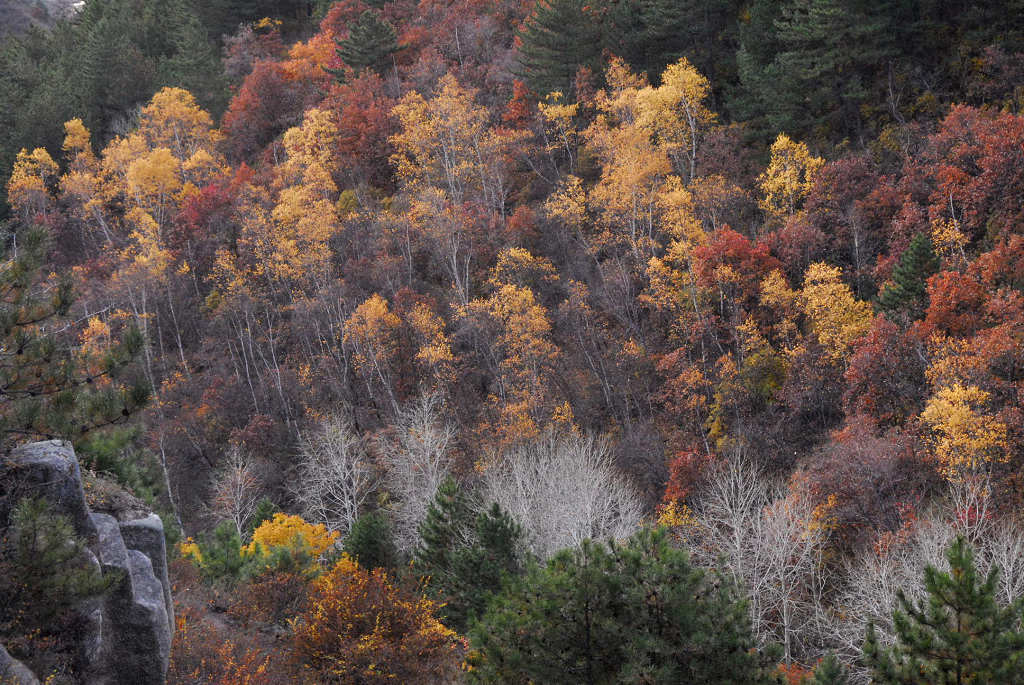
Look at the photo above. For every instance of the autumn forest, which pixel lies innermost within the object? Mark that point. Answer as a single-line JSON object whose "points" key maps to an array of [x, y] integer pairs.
{"points": [[532, 341]]}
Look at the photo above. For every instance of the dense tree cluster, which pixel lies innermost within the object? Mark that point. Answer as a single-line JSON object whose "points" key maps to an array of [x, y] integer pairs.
{"points": [[454, 287]]}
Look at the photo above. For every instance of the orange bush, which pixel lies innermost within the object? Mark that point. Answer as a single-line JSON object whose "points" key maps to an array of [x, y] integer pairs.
{"points": [[360, 628]]}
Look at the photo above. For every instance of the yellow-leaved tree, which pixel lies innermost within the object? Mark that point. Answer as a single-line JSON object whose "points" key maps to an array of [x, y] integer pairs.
{"points": [[675, 113], [286, 531], [835, 316], [966, 437], [304, 216], [434, 352], [371, 333], [788, 178], [445, 143], [28, 187], [359, 628], [513, 339], [633, 169]]}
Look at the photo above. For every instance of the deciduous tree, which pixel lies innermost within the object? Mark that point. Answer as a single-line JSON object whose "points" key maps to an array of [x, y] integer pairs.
{"points": [[358, 627]]}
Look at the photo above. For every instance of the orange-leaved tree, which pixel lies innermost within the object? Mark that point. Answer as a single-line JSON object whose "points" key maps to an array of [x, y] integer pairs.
{"points": [[359, 628]]}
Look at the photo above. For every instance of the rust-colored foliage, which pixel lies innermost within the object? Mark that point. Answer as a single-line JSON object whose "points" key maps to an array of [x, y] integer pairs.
{"points": [[359, 627], [202, 653]]}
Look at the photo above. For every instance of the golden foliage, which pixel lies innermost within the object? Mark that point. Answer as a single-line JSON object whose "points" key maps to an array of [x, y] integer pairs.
{"points": [[190, 550], [435, 349], [27, 189], [174, 120], [304, 216], [77, 141], [965, 438], [836, 317], [568, 203], [789, 176], [675, 115], [286, 531], [675, 514], [525, 356], [440, 141], [371, 330], [517, 266], [949, 242], [361, 629]]}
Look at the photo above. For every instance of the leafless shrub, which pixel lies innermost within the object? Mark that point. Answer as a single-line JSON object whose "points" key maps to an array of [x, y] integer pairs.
{"points": [[236, 490], [768, 540], [416, 459], [562, 490], [335, 474]]}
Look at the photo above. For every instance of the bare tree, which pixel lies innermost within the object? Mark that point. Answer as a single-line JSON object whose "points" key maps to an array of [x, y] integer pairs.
{"points": [[416, 458], [236, 490], [562, 490], [872, 580], [768, 540], [335, 474]]}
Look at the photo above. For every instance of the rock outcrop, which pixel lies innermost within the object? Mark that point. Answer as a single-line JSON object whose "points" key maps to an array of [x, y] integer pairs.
{"points": [[129, 631], [13, 672]]}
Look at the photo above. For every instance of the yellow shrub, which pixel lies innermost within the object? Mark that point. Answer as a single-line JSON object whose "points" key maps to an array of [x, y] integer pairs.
{"points": [[285, 530]]}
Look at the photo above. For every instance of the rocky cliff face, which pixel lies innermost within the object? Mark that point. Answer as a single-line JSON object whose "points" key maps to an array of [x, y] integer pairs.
{"points": [[18, 16], [130, 628]]}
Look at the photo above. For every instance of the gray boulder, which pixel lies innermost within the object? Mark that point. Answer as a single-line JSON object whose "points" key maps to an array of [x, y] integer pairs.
{"points": [[49, 470], [127, 635], [147, 536], [13, 672], [134, 634]]}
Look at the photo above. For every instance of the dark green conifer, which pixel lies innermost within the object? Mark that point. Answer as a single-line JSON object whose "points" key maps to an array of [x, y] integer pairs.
{"points": [[222, 554], [908, 293], [830, 672], [44, 578], [43, 392], [638, 612], [480, 569], [703, 31], [194, 63], [265, 510], [371, 543], [957, 634], [370, 44], [443, 530], [558, 38], [464, 558], [806, 64]]}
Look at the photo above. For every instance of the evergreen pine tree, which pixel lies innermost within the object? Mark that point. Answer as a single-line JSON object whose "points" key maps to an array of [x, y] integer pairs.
{"points": [[112, 71], [558, 38], [958, 634], [465, 560], [371, 543], [480, 569], [444, 529], [265, 510], [638, 612], [43, 392], [44, 577], [222, 558], [370, 43], [806, 64], [830, 672], [194, 63], [908, 292], [703, 31]]}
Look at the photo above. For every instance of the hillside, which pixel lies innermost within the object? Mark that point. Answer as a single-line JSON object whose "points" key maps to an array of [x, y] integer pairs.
{"points": [[415, 320]]}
